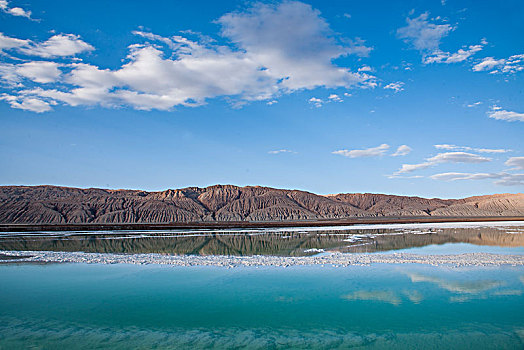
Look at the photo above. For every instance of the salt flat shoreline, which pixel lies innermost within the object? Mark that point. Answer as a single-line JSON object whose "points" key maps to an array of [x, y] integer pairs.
{"points": [[331, 259], [277, 229], [11, 227]]}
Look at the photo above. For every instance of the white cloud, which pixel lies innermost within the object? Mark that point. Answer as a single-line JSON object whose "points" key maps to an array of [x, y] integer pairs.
{"points": [[467, 148], [488, 63], [347, 15], [42, 72], [60, 45], [302, 56], [502, 178], [365, 69], [407, 168], [458, 157], [475, 104], [317, 102], [511, 64], [500, 114], [516, 162], [463, 176], [425, 37], [18, 11], [368, 152], [7, 42], [8, 75], [402, 151], [28, 104], [263, 61], [14, 11], [358, 47], [281, 151], [511, 180], [397, 87], [395, 176], [335, 98], [447, 57], [447, 157], [39, 71]]}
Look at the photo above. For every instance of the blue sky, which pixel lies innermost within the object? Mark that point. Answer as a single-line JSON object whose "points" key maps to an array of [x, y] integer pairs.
{"points": [[413, 98]]}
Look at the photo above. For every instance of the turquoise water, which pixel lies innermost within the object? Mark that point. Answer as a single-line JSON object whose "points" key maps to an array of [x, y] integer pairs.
{"points": [[70, 306]]}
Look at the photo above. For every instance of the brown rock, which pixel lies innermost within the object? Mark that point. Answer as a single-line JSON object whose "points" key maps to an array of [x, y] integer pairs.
{"points": [[61, 205]]}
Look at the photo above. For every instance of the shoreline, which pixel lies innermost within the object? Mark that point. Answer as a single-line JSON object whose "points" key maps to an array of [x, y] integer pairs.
{"points": [[331, 259], [248, 224]]}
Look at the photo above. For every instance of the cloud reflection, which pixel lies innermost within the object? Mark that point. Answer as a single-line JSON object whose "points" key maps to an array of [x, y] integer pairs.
{"points": [[380, 295], [468, 287]]}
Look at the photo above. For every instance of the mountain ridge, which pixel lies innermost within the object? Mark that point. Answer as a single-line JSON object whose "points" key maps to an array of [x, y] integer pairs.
{"points": [[47, 204]]}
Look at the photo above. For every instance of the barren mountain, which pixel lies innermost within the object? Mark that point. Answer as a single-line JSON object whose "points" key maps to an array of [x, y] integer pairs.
{"points": [[62, 205]]}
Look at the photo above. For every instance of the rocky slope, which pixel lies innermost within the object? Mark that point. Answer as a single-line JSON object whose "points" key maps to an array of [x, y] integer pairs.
{"points": [[61, 205]]}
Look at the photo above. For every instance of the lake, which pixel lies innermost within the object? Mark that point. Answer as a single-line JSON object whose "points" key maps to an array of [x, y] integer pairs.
{"points": [[378, 306]]}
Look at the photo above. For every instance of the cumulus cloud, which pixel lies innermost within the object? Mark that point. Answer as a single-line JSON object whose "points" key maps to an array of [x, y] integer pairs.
{"points": [[57, 46], [516, 162], [7, 42], [368, 152], [447, 57], [447, 157], [358, 47], [60, 45], [467, 148], [509, 65], [262, 61], [402, 151], [497, 112], [422, 34], [39, 71], [302, 56], [14, 11], [365, 69], [335, 98], [397, 87], [425, 36], [317, 102], [27, 103], [488, 63], [502, 178]]}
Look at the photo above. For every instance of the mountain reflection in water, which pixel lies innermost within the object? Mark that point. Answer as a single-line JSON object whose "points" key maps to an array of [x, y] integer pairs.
{"points": [[280, 243]]}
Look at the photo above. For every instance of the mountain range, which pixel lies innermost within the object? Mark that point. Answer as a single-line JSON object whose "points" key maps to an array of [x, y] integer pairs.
{"points": [[228, 203]]}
